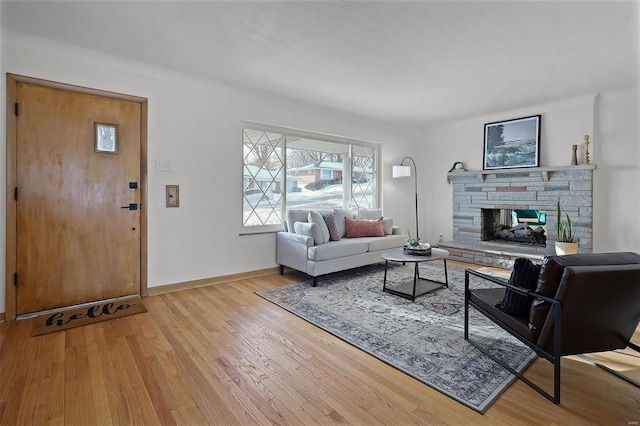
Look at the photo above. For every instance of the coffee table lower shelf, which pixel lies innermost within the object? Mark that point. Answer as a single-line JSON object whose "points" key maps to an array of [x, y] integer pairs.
{"points": [[423, 286]]}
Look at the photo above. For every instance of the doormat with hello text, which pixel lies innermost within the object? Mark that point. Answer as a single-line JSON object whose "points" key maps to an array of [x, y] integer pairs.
{"points": [[63, 320]]}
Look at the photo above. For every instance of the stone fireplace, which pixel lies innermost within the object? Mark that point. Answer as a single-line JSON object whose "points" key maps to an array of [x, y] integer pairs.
{"points": [[490, 195]]}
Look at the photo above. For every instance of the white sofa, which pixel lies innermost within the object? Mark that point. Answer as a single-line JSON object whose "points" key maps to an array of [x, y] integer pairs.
{"points": [[303, 253]]}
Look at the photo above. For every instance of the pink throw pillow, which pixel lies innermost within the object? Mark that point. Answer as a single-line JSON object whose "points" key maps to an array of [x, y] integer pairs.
{"points": [[364, 228]]}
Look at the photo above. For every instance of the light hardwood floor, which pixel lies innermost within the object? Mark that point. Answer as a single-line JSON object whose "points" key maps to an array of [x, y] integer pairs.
{"points": [[222, 355]]}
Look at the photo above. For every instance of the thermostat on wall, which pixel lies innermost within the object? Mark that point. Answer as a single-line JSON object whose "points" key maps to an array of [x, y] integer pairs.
{"points": [[173, 196]]}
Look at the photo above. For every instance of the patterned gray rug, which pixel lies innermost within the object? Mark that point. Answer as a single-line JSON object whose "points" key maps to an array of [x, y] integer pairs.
{"points": [[423, 339]]}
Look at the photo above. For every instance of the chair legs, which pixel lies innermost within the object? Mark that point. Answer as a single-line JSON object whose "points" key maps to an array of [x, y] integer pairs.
{"points": [[466, 306], [614, 372], [555, 358], [555, 398]]}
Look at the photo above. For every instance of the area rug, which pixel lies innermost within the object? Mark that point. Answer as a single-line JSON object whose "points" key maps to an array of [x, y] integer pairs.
{"points": [[423, 339], [90, 314]]}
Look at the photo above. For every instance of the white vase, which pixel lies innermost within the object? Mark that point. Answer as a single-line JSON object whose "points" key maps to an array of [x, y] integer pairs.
{"points": [[566, 248]]}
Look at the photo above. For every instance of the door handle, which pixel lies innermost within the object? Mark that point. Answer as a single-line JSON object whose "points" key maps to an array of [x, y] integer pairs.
{"points": [[131, 206]]}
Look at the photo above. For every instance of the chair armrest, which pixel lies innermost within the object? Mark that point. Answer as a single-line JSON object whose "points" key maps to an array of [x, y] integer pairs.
{"points": [[492, 278], [500, 281]]}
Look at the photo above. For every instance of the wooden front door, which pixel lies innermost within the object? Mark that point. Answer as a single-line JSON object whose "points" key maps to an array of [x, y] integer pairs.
{"points": [[78, 222]]}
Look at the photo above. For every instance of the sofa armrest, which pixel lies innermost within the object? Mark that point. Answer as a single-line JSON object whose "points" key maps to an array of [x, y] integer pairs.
{"points": [[396, 230], [294, 238], [292, 249]]}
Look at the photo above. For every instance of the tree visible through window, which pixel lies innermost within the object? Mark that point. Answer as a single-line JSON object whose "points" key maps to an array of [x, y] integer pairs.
{"points": [[284, 170]]}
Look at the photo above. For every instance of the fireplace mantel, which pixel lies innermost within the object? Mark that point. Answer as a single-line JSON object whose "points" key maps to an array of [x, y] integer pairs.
{"points": [[544, 171]]}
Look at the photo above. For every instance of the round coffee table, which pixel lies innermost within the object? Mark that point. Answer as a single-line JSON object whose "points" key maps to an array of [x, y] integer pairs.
{"points": [[420, 286]]}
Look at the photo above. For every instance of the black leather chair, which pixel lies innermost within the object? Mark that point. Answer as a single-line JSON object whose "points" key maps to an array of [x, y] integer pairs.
{"points": [[582, 303]]}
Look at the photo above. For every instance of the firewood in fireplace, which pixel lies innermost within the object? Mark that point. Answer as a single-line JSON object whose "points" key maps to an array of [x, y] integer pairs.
{"points": [[522, 233]]}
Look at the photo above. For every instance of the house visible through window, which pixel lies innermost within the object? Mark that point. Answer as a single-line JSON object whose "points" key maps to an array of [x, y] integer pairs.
{"points": [[285, 169]]}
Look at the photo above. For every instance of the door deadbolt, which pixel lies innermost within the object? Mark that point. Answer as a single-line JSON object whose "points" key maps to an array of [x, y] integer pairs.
{"points": [[131, 206]]}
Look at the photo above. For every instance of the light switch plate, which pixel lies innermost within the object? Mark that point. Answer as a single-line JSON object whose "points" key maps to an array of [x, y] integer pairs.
{"points": [[173, 196], [164, 166]]}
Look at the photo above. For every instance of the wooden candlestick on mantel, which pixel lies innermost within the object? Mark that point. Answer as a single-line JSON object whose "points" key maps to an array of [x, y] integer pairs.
{"points": [[574, 157], [586, 149]]}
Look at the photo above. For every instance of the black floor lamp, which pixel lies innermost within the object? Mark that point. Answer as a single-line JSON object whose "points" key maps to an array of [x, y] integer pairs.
{"points": [[403, 171]]}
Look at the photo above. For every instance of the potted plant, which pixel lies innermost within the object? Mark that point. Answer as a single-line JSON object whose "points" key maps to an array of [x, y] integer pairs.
{"points": [[414, 246], [565, 243], [412, 242]]}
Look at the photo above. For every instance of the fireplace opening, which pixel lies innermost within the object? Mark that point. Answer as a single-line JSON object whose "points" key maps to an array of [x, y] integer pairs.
{"points": [[522, 227]]}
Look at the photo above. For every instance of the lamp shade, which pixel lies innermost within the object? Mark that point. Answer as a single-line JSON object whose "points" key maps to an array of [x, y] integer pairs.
{"points": [[401, 171]]}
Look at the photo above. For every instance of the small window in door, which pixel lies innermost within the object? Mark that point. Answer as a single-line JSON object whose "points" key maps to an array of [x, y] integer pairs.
{"points": [[106, 138]]}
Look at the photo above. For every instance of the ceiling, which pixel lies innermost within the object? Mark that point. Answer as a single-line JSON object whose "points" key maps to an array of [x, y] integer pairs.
{"points": [[413, 62]]}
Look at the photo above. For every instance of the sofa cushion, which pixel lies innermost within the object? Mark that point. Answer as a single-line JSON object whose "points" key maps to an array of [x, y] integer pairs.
{"points": [[524, 275], [386, 243], [310, 230], [332, 226], [340, 215], [370, 214], [337, 249], [357, 228], [315, 217], [296, 215]]}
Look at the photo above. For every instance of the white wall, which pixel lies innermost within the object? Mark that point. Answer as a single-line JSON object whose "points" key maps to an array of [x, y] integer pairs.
{"points": [[617, 180], [195, 123], [611, 121]]}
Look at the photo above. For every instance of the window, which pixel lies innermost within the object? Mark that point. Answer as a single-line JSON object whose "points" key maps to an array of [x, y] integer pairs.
{"points": [[364, 177], [285, 169], [326, 174], [262, 175]]}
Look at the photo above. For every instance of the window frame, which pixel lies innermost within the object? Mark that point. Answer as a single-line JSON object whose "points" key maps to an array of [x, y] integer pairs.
{"points": [[288, 132]]}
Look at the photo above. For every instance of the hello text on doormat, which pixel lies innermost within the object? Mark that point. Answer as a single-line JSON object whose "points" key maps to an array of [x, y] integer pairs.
{"points": [[77, 317]]}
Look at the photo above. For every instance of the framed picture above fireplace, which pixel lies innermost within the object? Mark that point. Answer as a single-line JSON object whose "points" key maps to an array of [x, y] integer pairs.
{"points": [[512, 143]]}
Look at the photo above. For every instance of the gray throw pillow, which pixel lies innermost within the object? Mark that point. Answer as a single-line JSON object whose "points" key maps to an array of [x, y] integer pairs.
{"points": [[315, 217], [369, 214], [340, 214], [332, 225], [310, 230]]}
